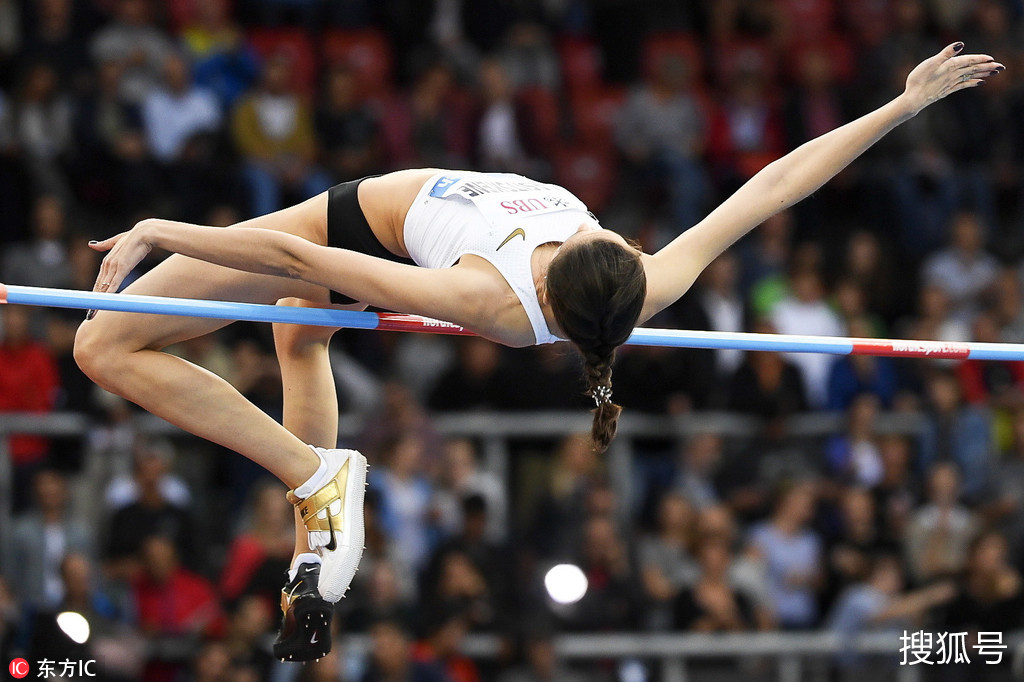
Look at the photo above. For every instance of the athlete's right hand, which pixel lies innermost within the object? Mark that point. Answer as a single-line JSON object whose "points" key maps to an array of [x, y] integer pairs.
{"points": [[126, 250]]}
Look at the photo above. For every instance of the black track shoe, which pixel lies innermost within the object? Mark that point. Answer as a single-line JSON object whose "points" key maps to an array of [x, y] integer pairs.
{"points": [[306, 627]]}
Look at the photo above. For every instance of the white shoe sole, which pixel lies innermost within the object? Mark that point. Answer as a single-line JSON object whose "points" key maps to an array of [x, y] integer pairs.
{"points": [[340, 565]]}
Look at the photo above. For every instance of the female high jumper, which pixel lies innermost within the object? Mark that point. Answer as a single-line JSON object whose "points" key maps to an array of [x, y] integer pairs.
{"points": [[513, 260]]}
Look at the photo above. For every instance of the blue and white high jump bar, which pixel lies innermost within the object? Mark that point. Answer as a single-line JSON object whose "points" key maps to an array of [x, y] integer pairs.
{"points": [[642, 336]]}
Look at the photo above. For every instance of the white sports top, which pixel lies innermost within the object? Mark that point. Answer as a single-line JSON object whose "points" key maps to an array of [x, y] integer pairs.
{"points": [[499, 217]]}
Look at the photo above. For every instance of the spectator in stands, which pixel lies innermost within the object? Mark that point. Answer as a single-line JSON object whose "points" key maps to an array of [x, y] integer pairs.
{"points": [[852, 376], [347, 128], [666, 561], [869, 265], [153, 513], [528, 57], [442, 646], [262, 552], [176, 111], [763, 257], [478, 381], [1008, 306], [56, 41], [391, 657], [40, 540], [173, 606], [559, 517], [991, 593], [661, 133], [542, 663], [767, 384], [897, 493], [111, 164], [42, 127], [502, 137], [273, 130], [460, 477], [247, 627], [42, 261], [934, 321], [463, 588], [712, 604], [958, 433], [430, 126], [746, 132], [1005, 498], [815, 106], [612, 601], [964, 270], [723, 304], [879, 602], [133, 39], [940, 532], [152, 459], [804, 311], [380, 596], [405, 495], [856, 543], [222, 60], [998, 385], [792, 551], [698, 466], [28, 383], [853, 457]]}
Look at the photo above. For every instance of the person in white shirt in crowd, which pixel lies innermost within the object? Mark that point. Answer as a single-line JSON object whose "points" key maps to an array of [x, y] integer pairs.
{"points": [[177, 110], [133, 39], [805, 311], [964, 270]]}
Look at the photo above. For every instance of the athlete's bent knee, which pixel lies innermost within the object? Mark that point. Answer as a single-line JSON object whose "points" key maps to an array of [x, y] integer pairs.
{"points": [[96, 354]]}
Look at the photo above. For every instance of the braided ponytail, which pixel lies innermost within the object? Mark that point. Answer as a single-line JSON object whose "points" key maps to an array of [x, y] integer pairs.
{"points": [[598, 370], [597, 291]]}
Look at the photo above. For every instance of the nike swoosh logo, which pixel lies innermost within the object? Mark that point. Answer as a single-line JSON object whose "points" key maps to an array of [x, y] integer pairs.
{"points": [[315, 638], [518, 232]]}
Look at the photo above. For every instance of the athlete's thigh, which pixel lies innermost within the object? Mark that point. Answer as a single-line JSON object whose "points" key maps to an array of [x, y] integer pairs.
{"points": [[184, 277]]}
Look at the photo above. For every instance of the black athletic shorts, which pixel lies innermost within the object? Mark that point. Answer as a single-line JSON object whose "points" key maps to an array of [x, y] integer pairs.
{"points": [[347, 229]]}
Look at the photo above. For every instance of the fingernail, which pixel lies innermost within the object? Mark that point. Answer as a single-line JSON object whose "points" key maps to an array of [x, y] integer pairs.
{"points": [[1000, 68], [93, 241], [957, 47], [89, 315]]}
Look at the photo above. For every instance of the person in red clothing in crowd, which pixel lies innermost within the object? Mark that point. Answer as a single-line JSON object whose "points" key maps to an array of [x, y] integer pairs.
{"points": [[746, 132], [173, 606], [262, 551], [28, 383], [995, 384], [443, 646]]}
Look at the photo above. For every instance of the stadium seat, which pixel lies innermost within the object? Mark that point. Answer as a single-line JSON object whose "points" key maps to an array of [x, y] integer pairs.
{"points": [[733, 56], [544, 114], [587, 172], [296, 44], [366, 52], [837, 49], [595, 113], [582, 67], [683, 45]]}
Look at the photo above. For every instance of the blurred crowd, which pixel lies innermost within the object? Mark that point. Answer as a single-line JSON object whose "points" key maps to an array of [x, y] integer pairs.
{"points": [[214, 111]]}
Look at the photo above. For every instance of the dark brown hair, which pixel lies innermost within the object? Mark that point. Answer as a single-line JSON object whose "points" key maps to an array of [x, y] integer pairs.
{"points": [[597, 291]]}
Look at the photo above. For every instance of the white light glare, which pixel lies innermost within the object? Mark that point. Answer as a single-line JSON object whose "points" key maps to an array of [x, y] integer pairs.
{"points": [[565, 583], [74, 626]]}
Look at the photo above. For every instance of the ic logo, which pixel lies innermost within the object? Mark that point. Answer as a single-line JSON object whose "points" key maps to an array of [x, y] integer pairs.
{"points": [[18, 668]]}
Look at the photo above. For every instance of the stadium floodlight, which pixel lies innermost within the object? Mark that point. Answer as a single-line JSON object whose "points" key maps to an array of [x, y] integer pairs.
{"points": [[565, 583], [74, 625]]}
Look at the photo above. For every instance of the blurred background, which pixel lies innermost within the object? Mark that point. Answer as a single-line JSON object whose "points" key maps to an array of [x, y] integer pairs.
{"points": [[761, 516]]}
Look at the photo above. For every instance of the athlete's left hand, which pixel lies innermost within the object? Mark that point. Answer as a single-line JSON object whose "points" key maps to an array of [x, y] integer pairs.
{"points": [[944, 74], [126, 250]]}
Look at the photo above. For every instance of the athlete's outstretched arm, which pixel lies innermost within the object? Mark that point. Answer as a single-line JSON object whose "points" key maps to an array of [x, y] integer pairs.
{"points": [[673, 269], [449, 294]]}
